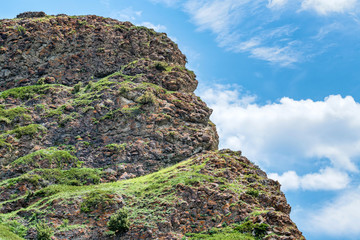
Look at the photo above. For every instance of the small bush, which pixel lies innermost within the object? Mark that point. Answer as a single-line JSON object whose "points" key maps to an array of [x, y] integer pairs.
{"points": [[160, 66], [116, 147], [119, 221], [21, 29], [77, 87], [147, 98], [95, 200], [253, 192], [44, 232], [258, 230]]}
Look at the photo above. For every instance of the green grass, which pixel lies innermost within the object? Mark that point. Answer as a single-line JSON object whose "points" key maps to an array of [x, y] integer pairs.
{"points": [[52, 155], [8, 115], [145, 194], [6, 234], [73, 177], [227, 233], [30, 130], [148, 198], [29, 92]]}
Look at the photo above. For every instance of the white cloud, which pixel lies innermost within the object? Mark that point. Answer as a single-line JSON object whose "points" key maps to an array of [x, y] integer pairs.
{"points": [[171, 3], [325, 30], [276, 3], [324, 7], [157, 28], [217, 15], [127, 14], [338, 218], [326, 179], [283, 56], [225, 18], [289, 134], [238, 23]]}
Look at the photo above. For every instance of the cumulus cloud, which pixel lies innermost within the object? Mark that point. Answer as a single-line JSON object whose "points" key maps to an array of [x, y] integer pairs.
{"points": [[290, 133], [337, 218], [325, 179], [157, 28], [328, 6]]}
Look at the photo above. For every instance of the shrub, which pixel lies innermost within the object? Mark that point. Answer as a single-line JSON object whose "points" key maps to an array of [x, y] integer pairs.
{"points": [[119, 221], [116, 147], [258, 229], [21, 29], [77, 87], [16, 228], [44, 232], [146, 98], [94, 200], [160, 66], [253, 192]]}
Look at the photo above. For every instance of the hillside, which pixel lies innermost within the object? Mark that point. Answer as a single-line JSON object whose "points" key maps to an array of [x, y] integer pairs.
{"points": [[102, 137]]}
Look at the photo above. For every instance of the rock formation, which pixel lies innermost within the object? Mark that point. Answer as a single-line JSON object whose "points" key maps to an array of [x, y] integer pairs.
{"points": [[98, 121]]}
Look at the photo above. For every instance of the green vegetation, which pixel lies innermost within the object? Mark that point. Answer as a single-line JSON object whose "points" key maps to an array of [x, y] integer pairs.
{"points": [[252, 192], [44, 232], [95, 199], [227, 233], [7, 234], [29, 92], [73, 176], [244, 231], [147, 98], [51, 155], [116, 147], [119, 221], [15, 227], [21, 29], [30, 130], [161, 66], [257, 229], [8, 115]]}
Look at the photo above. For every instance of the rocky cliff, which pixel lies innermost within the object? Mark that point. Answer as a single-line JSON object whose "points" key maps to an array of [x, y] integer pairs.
{"points": [[102, 137]]}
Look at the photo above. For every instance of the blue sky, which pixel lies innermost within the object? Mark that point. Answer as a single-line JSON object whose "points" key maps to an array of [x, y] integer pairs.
{"points": [[283, 79]]}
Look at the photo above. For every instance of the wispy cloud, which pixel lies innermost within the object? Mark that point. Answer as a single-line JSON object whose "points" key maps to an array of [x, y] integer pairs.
{"points": [[337, 218], [276, 3], [127, 14], [267, 24], [157, 27], [171, 3], [325, 7]]}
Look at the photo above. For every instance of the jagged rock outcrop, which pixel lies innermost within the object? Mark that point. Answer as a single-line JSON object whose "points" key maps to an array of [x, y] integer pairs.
{"points": [[98, 116]]}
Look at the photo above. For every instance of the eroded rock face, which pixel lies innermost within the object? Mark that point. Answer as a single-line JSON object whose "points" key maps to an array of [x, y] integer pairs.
{"points": [[142, 114], [75, 49], [94, 115]]}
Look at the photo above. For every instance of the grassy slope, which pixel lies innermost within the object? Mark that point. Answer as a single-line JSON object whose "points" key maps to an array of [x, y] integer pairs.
{"points": [[6, 234], [145, 195]]}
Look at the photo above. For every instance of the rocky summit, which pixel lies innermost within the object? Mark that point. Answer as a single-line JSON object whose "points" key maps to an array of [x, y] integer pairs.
{"points": [[102, 137]]}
